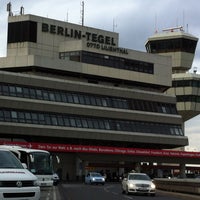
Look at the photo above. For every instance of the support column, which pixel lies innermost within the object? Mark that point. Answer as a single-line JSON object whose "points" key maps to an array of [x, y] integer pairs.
{"points": [[79, 169], [121, 170], [138, 167], [182, 171]]}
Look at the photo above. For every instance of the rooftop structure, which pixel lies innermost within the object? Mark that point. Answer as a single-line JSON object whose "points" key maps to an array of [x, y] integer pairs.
{"points": [[180, 46]]}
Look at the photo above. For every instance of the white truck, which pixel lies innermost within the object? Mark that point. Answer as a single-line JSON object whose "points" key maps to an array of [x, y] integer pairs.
{"points": [[16, 182]]}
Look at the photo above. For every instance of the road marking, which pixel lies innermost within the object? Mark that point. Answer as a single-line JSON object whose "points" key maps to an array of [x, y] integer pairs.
{"points": [[48, 195], [54, 193], [115, 193], [127, 197]]}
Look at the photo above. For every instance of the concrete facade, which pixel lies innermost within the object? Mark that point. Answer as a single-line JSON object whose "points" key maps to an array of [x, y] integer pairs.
{"points": [[62, 83]]}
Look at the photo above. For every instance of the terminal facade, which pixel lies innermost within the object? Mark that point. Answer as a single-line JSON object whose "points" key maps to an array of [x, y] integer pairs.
{"points": [[63, 83]]}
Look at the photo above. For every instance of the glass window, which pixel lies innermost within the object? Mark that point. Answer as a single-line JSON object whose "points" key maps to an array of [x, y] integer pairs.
{"points": [[1, 115], [96, 124], [19, 91], [98, 101], [176, 130], [84, 123], [118, 127], [115, 103], [60, 121], [26, 92], [21, 117], [66, 121], [12, 90], [69, 98], [34, 118], [32, 93], [14, 116], [64, 97], [52, 96], [104, 102], [46, 95], [72, 122], [78, 122], [39, 94], [87, 100], [28, 117], [47, 119], [41, 118], [101, 124], [163, 109], [75, 98], [5, 90], [90, 124], [81, 99], [93, 101], [58, 97], [54, 120], [7, 115]]}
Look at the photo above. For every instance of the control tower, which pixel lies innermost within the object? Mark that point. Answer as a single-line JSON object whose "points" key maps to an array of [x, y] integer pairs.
{"points": [[181, 46]]}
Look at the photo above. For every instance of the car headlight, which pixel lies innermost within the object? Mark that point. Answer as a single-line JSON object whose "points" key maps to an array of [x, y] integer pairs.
{"points": [[131, 185], [36, 183], [103, 179], [153, 186], [93, 179]]}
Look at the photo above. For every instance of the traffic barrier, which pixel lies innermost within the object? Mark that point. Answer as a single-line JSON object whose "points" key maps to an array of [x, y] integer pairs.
{"points": [[190, 186]]}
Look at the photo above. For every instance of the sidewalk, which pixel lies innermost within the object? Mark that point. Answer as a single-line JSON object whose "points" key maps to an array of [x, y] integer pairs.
{"points": [[183, 196]]}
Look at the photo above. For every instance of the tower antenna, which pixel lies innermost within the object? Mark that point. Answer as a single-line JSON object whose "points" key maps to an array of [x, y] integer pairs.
{"points": [[82, 13], [114, 25], [156, 23], [183, 19], [9, 9]]}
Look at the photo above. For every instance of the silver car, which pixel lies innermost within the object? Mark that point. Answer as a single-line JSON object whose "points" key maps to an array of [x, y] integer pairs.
{"points": [[138, 183], [94, 178]]}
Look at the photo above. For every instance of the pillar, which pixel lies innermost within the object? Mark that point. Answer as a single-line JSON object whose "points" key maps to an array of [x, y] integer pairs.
{"points": [[138, 167], [182, 171]]}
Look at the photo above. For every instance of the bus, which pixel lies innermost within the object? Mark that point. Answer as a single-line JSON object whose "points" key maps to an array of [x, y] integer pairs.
{"points": [[38, 162]]}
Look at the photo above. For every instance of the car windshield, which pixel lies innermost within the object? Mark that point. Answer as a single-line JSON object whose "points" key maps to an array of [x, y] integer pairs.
{"points": [[95, 174], [139, 177], [8, 160]]}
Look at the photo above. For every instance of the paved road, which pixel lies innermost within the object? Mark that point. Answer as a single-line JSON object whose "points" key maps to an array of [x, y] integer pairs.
{"points": [[109, 191]]}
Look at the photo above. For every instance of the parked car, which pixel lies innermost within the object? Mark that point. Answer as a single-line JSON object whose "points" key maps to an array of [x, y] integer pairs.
{"points": [[16, 182], [138, 183], [94, 178]]}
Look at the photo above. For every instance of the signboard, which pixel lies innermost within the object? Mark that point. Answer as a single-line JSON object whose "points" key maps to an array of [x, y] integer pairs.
{"points": [[94, 40], [103, 149]]}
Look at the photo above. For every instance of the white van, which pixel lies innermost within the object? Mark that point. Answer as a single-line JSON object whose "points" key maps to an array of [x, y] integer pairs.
{"points": [[16, 182]]}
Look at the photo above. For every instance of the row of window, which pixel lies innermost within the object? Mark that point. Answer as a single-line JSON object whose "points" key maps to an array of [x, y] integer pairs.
{"points": [[56, 119], [86, 99], [171, 45], [109, 61], [188, 98], [186, 83]]}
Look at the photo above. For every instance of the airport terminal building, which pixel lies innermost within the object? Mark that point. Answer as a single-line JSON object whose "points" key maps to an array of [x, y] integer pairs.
{"points": [[68, 84]]}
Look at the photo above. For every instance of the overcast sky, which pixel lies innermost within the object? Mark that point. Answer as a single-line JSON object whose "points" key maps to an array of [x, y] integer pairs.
{"points": [[134, 20]]}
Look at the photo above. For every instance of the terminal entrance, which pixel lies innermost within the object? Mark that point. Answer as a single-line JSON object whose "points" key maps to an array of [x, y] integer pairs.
{"points": [[114, 162]]}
